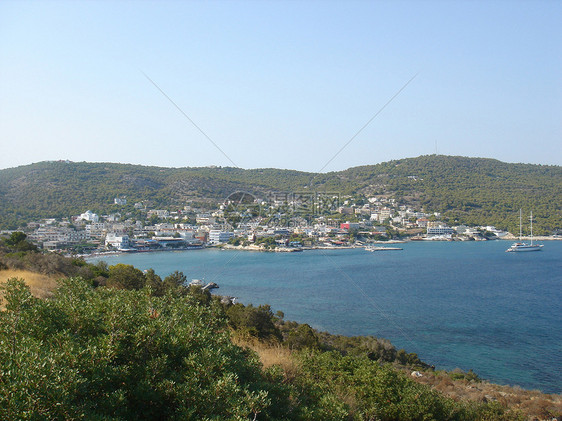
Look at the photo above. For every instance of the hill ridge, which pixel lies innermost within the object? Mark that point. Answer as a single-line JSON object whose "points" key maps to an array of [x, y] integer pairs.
{"points": [[468, 190]]}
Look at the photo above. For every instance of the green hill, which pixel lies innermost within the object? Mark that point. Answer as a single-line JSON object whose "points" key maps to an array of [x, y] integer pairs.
{"points": [[467, 190]]}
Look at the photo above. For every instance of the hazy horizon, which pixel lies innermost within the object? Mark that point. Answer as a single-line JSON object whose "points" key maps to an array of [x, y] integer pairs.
{"points": [[265, 168]]}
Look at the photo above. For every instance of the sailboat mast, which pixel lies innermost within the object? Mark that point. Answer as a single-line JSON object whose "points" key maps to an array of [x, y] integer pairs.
{"points": [[531, 218], [520, 225]]}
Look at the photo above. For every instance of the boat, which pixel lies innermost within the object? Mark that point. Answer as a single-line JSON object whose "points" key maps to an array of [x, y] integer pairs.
{"points": [[196, 283], [378, 248], [521, 246]]}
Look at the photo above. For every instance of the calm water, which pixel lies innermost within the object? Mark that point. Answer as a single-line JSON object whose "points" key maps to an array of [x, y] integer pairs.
{"points": [[462, 304]]}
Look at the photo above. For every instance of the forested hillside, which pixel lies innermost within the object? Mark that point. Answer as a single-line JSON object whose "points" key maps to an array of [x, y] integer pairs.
{"points": [[470, 190], [465, 190]]}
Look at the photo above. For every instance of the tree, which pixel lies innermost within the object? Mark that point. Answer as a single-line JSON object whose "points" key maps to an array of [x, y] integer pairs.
{"points": [[303, 337], [123, 276], [18, 242], [15, 238], [253, 321], [175, 280], [154, 282]]}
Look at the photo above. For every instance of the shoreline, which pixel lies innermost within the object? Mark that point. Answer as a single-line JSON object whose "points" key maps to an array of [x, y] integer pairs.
{"points": [[507, 238]]}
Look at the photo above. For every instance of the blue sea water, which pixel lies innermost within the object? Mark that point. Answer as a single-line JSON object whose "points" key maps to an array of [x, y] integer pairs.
{"points": [[462, 304]]}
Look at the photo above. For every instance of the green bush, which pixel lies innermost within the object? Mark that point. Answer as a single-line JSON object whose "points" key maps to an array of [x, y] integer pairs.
{"points": [[345, 387], [302, 337], [116, 354], [257, 322], [123, 276]]}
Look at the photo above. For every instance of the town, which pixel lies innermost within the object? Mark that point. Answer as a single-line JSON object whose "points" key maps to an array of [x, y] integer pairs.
{"points": [[280, 222]]}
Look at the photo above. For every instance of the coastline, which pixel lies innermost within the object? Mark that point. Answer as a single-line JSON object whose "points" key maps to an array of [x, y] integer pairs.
{"points": [[511, 237], [256, 248]]}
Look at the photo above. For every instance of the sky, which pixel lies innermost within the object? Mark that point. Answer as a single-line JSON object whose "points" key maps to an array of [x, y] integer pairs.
{"points": [[308, 85]]}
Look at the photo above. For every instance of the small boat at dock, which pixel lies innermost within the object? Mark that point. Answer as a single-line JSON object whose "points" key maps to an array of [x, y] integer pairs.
{"points": [[380, 248]]}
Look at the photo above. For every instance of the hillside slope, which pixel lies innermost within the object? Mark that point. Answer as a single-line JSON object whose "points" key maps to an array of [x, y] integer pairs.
{"points": [[469, 190]]}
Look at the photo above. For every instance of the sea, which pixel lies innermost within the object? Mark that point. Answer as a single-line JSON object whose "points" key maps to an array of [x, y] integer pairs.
{"points": [[467, 305]]}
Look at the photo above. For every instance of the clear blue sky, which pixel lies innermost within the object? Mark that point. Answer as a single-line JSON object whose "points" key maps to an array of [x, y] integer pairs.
{"points": [[280, 84]]}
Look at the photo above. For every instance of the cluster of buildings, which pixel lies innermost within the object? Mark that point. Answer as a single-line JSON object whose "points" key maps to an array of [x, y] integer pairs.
{"points": [[366, 219]]}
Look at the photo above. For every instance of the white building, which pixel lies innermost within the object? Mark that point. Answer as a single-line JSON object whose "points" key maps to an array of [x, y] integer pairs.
{"points": [[58, 235], [217, 236], [89, 216], [204, 219], [117, 241], [384, 214], [439, 229], [468, 231]]}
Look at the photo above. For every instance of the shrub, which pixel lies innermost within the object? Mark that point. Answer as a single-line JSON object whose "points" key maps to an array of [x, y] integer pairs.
{"points": [[253, 321], [116, 354]]}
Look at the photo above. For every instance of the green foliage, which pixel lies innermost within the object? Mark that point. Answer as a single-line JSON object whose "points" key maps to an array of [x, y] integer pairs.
{"points": [[154, 349], [104, 353], [473, 191], [267, 242], [235, 241], [410, 359], [116, 354], [458, 374], [154, 282], [468, 190], [175, 280], [344, 387], [257, 322], [18, 242], [123, 276], [100, 269], [302, 337], [202, 296]]}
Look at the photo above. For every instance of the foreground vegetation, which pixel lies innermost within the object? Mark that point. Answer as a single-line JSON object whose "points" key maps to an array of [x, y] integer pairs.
{"points": [[105, 353], [116, 343]]}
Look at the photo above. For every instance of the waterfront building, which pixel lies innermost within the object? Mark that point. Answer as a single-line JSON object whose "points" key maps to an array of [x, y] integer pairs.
{"points": [[117, 241], [217, 236], [437, 228]]}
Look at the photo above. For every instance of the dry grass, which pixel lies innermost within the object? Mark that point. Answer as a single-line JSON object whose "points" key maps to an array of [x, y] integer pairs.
{"points": [[270, 355], [41, 286], [532, 403]]}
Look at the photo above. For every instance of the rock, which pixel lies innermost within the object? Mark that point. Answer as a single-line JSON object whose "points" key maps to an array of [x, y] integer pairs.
{"points": [[488, 398]]}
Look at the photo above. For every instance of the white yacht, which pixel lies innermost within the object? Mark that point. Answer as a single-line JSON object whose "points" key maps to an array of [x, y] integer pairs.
{"points": [[520, 245]]}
